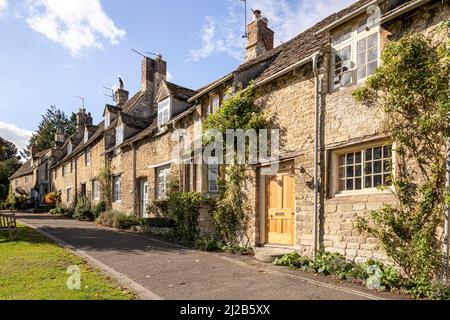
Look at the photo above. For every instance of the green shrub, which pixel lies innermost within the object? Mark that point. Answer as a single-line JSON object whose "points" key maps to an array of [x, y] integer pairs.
{"points": [[98, 209], [184, 209], [287, 260], [57, 212], [83, 210], [390, 278], [117, 220], [332, 264], [125, 222], [236, 249], [158, 222], [207, 243], [3, 192]]}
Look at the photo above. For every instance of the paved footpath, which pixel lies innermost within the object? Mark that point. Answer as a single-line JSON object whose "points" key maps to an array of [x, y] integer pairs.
{"points": [[158, 270]]}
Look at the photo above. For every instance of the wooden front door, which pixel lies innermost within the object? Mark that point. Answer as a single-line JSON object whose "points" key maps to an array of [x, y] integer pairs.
{"points": [[280, 209]]}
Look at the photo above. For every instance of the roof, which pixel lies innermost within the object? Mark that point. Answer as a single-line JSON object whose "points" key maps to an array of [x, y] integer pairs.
{"points": [[25, 170], [294, 50], [96, 134], [180, 92], [133, 121]]}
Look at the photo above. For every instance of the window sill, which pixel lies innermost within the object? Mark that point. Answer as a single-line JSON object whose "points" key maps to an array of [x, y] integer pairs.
{"points": [[366, 192]]}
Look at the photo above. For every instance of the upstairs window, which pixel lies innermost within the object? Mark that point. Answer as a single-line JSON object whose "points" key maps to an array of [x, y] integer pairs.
{"points": [[355, 54], [86, 136], [119, 135], [69, 148], [64, 170], [72, 166], [27, 179], [163, 112], [215, 104], [16, 182], [87, 157]]}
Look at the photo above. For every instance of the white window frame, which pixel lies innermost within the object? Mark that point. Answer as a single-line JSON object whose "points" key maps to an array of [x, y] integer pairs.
{"points": [[95, 190], [356, 35], [119, 135], [87, 157], [69, 148], [164, 111], [86, 136], [215, 104], [336, 165], [162, 181], [73, 164], [69, 194], [64, 170], [117, 189]]}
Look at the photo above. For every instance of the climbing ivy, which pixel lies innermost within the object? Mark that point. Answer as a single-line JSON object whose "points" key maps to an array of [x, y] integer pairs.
{"points": [[232, 211], [411, 87]]}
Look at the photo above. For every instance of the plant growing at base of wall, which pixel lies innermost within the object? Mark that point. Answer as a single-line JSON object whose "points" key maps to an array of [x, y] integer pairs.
{"points": [[411, 86], [232, 212], [105, 178]]}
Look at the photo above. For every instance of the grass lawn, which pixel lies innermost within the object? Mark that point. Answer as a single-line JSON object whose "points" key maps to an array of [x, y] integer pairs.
{"points": [[34, 268]]}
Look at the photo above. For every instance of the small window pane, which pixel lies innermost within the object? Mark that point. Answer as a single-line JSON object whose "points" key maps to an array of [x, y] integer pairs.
{"points": [[358, 184], [362, 45], [372, 40], [377, 181], [346, 53], [387, 180], [361, 60], [377, 153], [362, 72], [358, 157], [373, 54], [368, 154], [368, 182], [377, 167], [358, 171], [350, 158], [350, 184], [350, 172], [387, 152], [372, 67]]}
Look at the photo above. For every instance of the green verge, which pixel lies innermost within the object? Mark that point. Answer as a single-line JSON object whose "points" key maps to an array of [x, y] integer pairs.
{"points": [[34, 268]]}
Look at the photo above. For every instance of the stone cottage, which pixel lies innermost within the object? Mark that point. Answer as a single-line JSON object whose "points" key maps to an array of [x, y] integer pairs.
{"points": [[333, 156]]}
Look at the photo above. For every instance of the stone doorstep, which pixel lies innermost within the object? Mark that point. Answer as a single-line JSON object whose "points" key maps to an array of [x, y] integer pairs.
{"points": [[269, 253]]}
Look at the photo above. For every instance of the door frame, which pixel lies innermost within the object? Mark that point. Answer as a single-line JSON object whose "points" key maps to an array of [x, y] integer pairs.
{"points": [[143, 181], [285, 167]]}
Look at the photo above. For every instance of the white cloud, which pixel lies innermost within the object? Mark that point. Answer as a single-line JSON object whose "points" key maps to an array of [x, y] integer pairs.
{"points": [[3, 7], [287, 18], [75, 24], [20, 137]]}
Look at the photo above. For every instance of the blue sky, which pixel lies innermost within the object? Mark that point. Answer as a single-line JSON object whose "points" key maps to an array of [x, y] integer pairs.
{"points": [[54, 50]]}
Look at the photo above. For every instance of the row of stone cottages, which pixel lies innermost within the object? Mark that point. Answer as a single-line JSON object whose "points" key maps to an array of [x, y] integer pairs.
{"points": [[311, 76]]}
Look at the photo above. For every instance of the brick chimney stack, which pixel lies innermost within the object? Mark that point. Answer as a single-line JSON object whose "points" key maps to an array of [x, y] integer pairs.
{"points": [[60, 137], [154, 71], [260, 37], [121, 97]]}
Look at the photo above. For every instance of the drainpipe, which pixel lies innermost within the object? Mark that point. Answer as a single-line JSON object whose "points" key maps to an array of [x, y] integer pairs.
{"points": [[134, 191], [316, 152], [447, 207]]}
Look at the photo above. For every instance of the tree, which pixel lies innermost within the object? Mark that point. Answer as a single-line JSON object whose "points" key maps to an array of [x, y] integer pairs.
{"points": [[54, 118], [411, 86], [7, 150]]}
